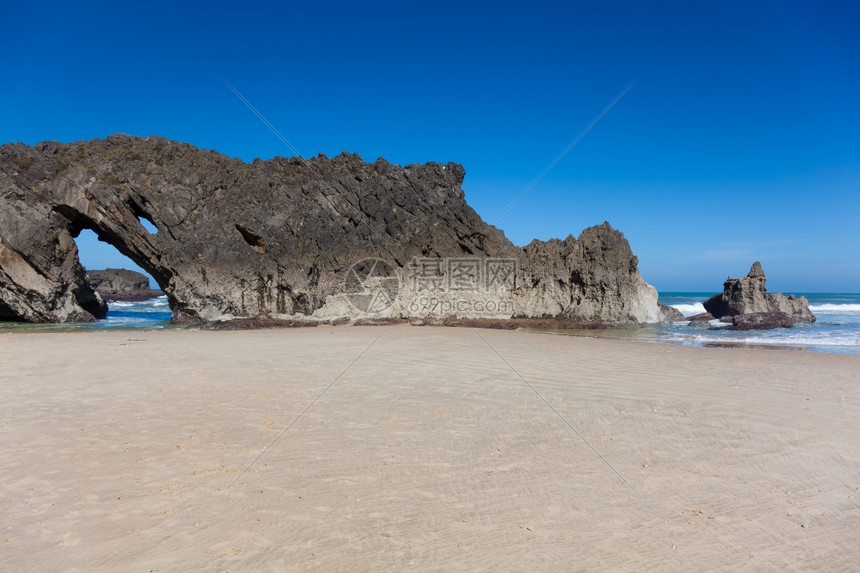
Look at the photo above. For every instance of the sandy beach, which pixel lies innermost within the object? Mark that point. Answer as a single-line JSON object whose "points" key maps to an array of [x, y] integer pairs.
{"points": [[429, 449]]}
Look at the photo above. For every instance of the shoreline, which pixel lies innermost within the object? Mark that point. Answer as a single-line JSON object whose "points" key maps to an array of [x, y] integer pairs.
{"points": [[456, 449], [836, 331], [647, 334]]}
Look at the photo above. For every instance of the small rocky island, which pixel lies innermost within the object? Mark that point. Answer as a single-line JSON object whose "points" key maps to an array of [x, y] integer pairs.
{"points": [[121, 285], [746, 304]]}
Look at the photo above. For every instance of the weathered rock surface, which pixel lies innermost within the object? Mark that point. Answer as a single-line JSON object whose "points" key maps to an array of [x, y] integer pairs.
{"points": [[121, 284], [279, 238], [748, 295], [669, 315], [592, 278], [41, 279], [761, 321], [796, 308]]}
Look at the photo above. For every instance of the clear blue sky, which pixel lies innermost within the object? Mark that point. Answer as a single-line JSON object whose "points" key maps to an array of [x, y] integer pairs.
{"points": [[739, 141]]}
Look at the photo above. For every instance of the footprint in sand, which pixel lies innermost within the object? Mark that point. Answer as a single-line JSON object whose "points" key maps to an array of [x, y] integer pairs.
{"points": [[232, 552]]}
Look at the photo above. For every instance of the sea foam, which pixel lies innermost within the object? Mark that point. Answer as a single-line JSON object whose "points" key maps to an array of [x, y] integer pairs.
{"points": [[830, 307], [690, 309]]}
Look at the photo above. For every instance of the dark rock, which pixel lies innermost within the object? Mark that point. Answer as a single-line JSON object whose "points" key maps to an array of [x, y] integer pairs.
{"points": [[278, 238], [669, 315], [117, 281], [257, 323], [121, 285], [761, 321], [749, 295], [702, 319], [706, 316]]}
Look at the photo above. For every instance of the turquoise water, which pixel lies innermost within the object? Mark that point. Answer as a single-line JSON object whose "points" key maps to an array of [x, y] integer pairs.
{"points": [[835, 331], [152, 314]]}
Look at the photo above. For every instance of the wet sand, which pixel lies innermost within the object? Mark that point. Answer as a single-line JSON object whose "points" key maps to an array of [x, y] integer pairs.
{"points": [[427, 449]]}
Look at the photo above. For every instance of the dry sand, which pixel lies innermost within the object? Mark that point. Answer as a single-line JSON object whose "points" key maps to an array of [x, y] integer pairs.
{"points": [[427, 449]]}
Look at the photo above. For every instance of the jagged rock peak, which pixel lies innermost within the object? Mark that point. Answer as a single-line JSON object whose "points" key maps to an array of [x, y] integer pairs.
{"points": [[756, 271]]}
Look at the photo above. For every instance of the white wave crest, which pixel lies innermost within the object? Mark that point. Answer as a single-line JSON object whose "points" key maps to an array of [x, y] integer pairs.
{"points": [[796, 341], [690, 309], [830, 307]]}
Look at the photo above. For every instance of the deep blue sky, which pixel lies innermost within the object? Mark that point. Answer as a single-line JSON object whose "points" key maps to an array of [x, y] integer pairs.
{"points": [[739, 141]]}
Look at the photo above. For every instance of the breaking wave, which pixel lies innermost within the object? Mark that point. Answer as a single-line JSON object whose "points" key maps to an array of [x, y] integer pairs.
{"points": [[690, 309]]}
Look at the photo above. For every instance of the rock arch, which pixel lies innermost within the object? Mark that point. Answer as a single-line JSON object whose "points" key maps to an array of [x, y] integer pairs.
{"points": [[270, 238]]}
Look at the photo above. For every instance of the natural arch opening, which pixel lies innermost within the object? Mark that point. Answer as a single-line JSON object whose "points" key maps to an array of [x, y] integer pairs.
{"points": [[99, 248], [143, 218], [132, 295], [95, 254]]}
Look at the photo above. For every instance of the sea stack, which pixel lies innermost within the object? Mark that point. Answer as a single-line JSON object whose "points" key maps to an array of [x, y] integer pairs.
{"points": [[746, 303]]}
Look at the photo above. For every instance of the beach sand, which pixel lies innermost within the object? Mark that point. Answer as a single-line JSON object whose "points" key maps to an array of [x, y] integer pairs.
{"points": [[418, 448]]}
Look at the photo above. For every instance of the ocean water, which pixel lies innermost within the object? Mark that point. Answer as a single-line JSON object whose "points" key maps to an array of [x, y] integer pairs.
{"points": [[150, 314], [153, 313], [835, 331]]}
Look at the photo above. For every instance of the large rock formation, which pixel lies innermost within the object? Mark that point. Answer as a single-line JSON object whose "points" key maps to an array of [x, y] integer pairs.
{"points": [[121, 284], [283, 238], [592, 278], [748, 298]]}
